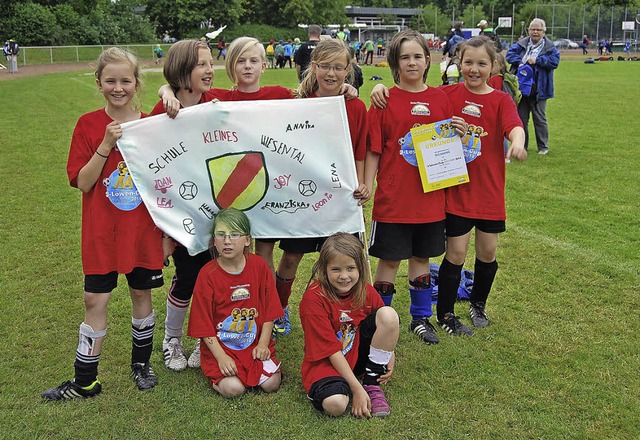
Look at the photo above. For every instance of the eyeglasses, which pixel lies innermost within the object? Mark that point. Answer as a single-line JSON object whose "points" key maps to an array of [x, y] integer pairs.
{"points": [[536, 30], [327, 67], [233, 236]]}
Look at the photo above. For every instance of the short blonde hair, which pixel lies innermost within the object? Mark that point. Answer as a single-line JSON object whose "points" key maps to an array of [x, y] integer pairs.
{"points": [[238, 47]]}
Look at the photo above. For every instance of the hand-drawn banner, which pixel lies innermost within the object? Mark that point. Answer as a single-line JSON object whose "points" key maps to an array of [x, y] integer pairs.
{"points": [[287, 163]]}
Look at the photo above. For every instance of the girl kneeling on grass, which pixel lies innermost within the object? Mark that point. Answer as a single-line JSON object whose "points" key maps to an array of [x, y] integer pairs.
{"points": [[348, 331], [118, 235], [234, 305]]}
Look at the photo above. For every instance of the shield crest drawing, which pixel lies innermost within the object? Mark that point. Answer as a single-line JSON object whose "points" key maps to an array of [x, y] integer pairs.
{"points": [[238, 180]]}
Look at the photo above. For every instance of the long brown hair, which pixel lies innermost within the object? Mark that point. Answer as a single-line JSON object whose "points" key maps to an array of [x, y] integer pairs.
{"points": [[341, 243]]}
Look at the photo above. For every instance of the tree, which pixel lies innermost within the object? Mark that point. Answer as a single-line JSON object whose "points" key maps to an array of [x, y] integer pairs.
{"points": [[180, 18], [31, 23]]}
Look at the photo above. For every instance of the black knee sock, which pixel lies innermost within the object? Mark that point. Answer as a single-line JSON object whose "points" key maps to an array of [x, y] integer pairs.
{"points": [[86, 369], [142, 338], [484, 274], [448, 283], [372, 372]]}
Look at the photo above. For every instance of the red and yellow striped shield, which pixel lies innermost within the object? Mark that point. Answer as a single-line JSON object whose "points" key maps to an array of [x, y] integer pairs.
{"points": [[238, 180]]}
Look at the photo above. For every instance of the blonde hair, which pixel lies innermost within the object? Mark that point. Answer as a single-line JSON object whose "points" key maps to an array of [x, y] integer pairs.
{"points": [[393, 51], [341, 243], [117, 55], [325, 49], [236, 49], [181, 59]]}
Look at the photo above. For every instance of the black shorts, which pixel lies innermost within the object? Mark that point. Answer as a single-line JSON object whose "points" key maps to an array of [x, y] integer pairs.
{"points": [[302, 245], [457, 226], [332, 385], [267, 240], [401, 241], [139, 279], [187, 270]]}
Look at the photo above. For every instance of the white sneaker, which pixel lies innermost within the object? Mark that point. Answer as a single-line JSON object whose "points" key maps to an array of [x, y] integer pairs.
{"points": [[174, 358], [194, 359]]}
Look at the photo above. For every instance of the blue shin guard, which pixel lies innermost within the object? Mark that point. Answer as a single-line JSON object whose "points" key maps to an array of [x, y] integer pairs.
{"points": [[420, 303], [386, 291]]}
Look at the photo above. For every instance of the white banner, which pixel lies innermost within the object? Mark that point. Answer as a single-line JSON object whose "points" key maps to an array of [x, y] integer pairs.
{"points": [[288, 164]]}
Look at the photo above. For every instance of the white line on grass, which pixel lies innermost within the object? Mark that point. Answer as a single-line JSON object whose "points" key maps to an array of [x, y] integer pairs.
{"points": [[580, 253]]}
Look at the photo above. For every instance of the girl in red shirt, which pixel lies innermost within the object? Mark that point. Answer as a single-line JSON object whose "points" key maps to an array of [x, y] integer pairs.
{"points": [[118, 235], [348, 331], [408, 224], [189, 71], [234, 305], [330, 65], [479, 204]]}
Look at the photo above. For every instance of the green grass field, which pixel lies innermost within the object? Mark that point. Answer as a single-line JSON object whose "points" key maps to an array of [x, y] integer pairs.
{"points": [[560, 360]]}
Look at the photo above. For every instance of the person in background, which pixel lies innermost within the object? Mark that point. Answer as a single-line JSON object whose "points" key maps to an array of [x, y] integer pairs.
{"points": [[303, 55], [538, 52], [357, 80]]}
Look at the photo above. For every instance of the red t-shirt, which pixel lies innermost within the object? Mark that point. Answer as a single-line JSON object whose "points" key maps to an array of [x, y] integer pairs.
{"points": [[357, 119], [399, 197], [266, 92], [117, 231], [233, 308], [208, 96], [491, 118], [495, 82], [330, 327]]}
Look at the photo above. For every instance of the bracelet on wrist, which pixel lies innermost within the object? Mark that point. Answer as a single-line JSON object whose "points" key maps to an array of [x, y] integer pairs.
{"points": [[102, 155]]}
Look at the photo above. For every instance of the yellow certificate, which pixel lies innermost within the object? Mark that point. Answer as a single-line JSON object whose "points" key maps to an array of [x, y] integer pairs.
{"points": [[439, 155]]}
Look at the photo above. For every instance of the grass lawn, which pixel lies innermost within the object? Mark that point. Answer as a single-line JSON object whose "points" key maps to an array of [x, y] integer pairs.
{"points": [[560, 359]]}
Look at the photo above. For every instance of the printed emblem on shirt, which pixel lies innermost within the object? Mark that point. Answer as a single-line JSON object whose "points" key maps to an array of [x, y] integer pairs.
{"points": [[239, 330], [344, 316], [346, 335], [472, 109], [472, 142], [240, 292], [420, 110], [121, 191], [406, 148]]}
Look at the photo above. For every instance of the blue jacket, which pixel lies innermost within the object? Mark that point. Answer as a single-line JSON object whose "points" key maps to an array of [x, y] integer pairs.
{"points": [[546, 63]]}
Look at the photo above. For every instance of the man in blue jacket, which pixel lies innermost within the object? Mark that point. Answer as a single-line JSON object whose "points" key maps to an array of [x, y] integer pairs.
{"points": [[539, 52]]}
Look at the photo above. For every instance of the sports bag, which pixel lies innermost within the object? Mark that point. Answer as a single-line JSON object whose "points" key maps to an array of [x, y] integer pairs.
{"points": [[526, 79]]}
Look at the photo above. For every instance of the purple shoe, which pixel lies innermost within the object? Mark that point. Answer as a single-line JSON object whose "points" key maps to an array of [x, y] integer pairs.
{"points": [[379, 405]]}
